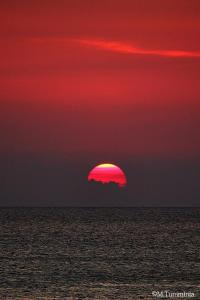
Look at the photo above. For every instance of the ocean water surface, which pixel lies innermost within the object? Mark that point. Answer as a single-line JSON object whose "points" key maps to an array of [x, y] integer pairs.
{"points": [[99, 253]]}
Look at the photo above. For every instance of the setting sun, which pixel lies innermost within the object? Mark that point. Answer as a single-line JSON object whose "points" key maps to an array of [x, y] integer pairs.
{"points": [[107, 173]]}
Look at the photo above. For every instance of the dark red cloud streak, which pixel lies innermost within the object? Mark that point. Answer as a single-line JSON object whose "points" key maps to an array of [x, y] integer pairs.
{"points": [[118, 46]]}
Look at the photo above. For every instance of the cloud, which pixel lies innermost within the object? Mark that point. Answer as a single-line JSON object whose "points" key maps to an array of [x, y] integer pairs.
{"points": [[121, 47]]}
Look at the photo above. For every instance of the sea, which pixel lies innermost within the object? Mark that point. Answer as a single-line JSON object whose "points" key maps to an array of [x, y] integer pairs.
{"points": [[99, 253]]}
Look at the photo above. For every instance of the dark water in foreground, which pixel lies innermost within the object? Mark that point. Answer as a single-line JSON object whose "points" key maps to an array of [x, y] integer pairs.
{"points": [[98, 253]]}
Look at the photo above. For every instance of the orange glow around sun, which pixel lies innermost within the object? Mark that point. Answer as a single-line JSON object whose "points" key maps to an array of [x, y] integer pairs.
{"points": [[107, 173]]}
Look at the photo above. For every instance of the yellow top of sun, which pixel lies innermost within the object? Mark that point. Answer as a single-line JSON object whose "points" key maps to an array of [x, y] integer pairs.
{"points": [[106, 166]]}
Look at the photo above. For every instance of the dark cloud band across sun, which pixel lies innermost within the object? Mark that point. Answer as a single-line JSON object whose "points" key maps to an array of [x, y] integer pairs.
{"points": [[121, 47]]}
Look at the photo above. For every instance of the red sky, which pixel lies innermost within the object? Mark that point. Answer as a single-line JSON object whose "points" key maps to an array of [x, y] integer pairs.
{"points": [[91, 77]]}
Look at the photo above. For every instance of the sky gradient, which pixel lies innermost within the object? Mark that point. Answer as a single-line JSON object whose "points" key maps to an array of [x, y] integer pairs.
{"points": [[83, 82]]}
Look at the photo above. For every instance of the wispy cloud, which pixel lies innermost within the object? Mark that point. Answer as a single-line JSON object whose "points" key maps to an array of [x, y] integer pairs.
{"points": [[121, 47]]}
